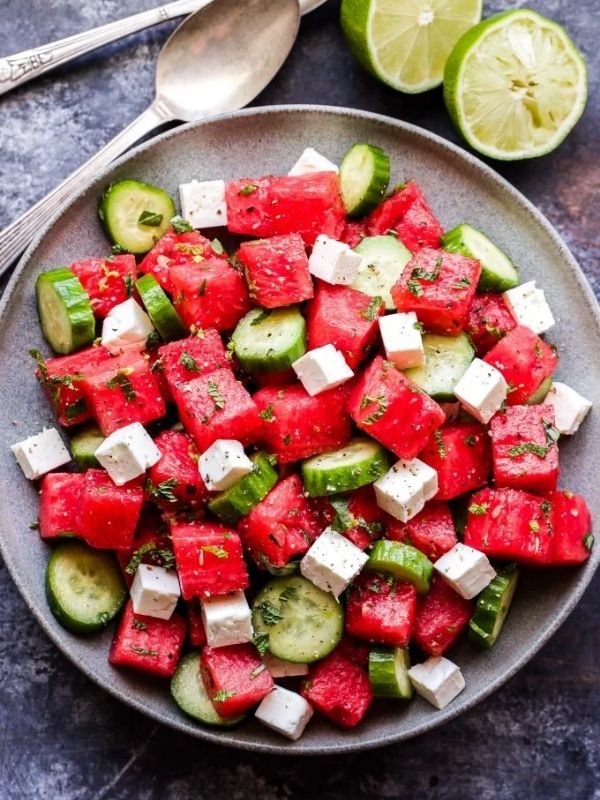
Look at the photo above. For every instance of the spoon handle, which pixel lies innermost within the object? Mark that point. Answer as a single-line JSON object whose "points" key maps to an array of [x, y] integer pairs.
{"points": [[15, 238], [21, 67]]}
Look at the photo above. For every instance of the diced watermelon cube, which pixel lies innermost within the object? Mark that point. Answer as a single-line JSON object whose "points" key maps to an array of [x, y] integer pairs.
{"points": [[381, 610], [296, 425], [524, 448], [345, 318], [461, 455], [339, 688], [209, 559], [217, 406], [211, 294], [175, 478], [525, 360], [356, 516], [489, 320], [278, 379], [439, 287], [408, 214], [174, 250], [277, 270], [61, 379], [573, 540], [306, 204], [389, 213], [147, 643], [108, 281], [353, 232], [186, 359], [109, 514], [196, 630], [392, 409], [281, 526], [431, 531], [354, 650], [236, 678], [510, 525], [150, 546], [121, 391], [442, 615], [60, 500]]}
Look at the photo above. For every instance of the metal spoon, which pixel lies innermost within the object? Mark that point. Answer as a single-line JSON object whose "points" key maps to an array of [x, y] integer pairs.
{"points": [[22, 67], [217, 60]]}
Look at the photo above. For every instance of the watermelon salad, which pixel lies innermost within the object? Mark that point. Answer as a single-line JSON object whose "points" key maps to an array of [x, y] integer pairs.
{"points": [[305, 461]]}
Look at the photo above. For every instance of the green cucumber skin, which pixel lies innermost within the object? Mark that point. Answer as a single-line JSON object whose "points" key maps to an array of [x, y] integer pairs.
{"points": [[402, 561], [373, 191], [492, 607], [540, 393], [77, 307], [436, 377], [160, 309], [454, 241], [383, 673], [192, 699], [146, 238], [321, 483], [269, 361], [84, 444], [238, 501]]}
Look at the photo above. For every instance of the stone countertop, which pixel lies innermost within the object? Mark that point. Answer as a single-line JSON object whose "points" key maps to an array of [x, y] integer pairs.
{"points": [[61, 737]]}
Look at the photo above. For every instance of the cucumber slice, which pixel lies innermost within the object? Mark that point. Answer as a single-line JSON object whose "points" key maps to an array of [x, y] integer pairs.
{"points": [[65, 311], [388, 672], [234, 503], [84, 587], [402, 561], [498, 273], [384, 258], [360, 462], [303, 623], [492, 607], [84, 444], [135, 215], [160, 309], [270, 341], [364, 178], [291, 568], [447, 358], [540, 394], [187, 689]]}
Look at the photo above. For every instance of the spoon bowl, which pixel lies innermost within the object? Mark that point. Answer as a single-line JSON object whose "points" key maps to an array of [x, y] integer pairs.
{"points": [[222, 56]]}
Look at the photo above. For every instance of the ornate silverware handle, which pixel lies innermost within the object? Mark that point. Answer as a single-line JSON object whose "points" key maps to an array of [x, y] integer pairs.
{"points": [[16, 237], [15, 70]]}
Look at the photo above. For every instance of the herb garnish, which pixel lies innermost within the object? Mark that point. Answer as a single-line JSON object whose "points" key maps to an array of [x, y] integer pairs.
{"points": [[439, 441], [213, 391], [248, 189], [128, 280], [188, 362], [223, 695], [381, 403], [217, 247], [478, 509], [260, 317], [270, 614], [261, 642], [159, 555], [150, 219], [180, 225], [163, 490], [371, 312], [215, 550], [122, 382], [75, 409], [267, 414], [141, 651]]}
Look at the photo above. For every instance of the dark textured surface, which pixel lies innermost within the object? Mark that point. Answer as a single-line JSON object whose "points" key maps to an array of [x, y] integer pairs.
{"points": [[61, 737]]}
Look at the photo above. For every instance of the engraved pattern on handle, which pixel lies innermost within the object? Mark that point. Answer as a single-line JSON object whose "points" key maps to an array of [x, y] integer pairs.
{"points": [[17, 236], [21, 67]]}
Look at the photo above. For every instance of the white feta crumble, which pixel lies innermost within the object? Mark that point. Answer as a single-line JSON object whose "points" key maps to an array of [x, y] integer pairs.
{"points": [[154, 591], [127, 453], [224, 464], [332, 562], [405, 488], [285, 712], [227, 619], [402, 339], [41, 453], [321, 369], [333, 261], [466, 570], [312, 161], [482, 390], [438, 680], [203, 203], [529, 307], [570, 408], [126, 327]]}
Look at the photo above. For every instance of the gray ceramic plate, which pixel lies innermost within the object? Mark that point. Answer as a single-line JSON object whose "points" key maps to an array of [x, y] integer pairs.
{"points": [[257, 142]]}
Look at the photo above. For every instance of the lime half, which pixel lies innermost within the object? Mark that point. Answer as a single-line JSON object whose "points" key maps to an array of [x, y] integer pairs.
{"points": [[405, 43], [515, 85]]}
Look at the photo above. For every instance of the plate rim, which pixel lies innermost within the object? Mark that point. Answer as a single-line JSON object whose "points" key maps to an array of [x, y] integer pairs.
{"points": [[450, 712]]}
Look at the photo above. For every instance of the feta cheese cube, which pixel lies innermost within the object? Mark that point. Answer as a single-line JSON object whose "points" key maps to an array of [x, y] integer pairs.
{"points": [[466, 570], [333, 262], [312, 161], [227, 619], [405, 488], [481, 390], [321, 369], [284, 669], [402, 339], [41, 453], [438, 680], [528, 306], [332, 562], [203, 203], [223, 464], [127, 453], [154, 591], [126, 327], [285, 712], [570, 408]]}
